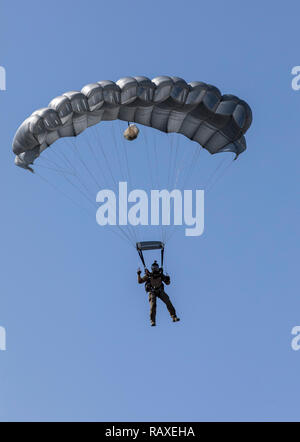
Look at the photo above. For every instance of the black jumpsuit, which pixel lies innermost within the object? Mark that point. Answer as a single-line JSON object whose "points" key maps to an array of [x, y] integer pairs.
{"points": [[156, 290]]}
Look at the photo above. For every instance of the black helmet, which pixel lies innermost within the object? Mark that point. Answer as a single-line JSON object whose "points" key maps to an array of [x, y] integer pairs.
{"points": [[155, 267]]}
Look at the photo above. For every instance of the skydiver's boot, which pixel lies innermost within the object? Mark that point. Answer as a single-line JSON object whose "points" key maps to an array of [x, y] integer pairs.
{"points": [[153, 324], [175, 319]]}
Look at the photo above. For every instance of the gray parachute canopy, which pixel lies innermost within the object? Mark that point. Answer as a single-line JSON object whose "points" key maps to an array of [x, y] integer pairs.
{"points": [[197, 110]]}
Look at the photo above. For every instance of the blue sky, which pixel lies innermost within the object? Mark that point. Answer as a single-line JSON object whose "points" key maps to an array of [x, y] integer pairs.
{"points": [[79, 345]]}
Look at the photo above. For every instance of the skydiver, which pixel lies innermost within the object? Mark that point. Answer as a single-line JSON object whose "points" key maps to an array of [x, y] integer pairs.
{"points": [[154, 285]]}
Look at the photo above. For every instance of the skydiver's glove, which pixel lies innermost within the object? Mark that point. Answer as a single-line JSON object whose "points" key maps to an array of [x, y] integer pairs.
{"points": [[139, 271], [167, 279]]}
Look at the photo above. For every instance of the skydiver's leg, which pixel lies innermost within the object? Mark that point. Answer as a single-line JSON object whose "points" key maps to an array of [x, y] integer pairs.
{"points": [[165, 298], [152, 301]]}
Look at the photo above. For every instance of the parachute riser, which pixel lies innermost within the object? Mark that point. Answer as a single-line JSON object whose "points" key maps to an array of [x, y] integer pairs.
{"points": [[142, 258]]}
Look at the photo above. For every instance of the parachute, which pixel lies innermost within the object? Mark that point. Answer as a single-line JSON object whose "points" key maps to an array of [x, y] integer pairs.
{"points": [[196, 110]]}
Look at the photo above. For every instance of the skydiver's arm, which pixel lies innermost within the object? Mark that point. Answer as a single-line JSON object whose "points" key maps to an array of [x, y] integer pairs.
{"points": [[143, 279], [166, 279]]}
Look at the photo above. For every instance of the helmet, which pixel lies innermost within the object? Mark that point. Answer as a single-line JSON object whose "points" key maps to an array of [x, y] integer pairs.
{"points": [[155, 267]]}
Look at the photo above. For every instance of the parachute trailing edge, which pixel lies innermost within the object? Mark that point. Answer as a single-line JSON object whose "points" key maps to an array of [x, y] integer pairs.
{"points": [[196, 110]]}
